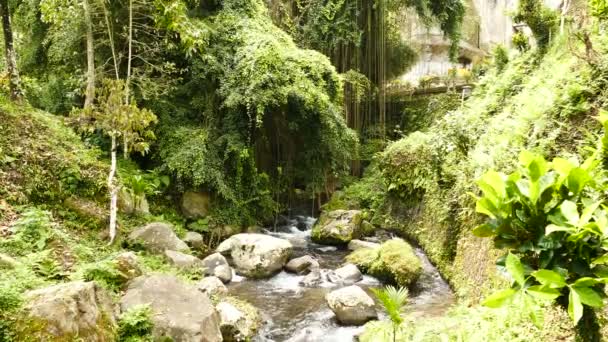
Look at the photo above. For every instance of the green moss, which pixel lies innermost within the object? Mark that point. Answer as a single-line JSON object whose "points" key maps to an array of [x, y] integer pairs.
{"points": [[394, 261]]}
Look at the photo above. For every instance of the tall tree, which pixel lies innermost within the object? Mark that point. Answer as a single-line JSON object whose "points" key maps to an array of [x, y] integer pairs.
{"points": [[9, 53], [90, 91]]}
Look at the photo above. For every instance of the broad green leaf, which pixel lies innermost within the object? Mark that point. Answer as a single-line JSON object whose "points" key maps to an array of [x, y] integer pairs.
{"points": [[499, 299], [537, 168], [577, 179], [570, 212], [603, 260], [526, 157], [550, 278], [586, 282], [575, 307], [588, 296], [588, 213], [484, 230], [485, 206], [563, 167], [543, 292], [493, 183], [515, 268], [554, 228]]}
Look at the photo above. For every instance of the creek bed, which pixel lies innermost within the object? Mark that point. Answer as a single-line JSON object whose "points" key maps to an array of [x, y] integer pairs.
{"points": [[295, 313]]}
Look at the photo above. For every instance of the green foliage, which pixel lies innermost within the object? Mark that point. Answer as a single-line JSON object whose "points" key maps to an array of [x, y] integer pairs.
{"points": [[31, 232], [501, 57], [550, 216], [599, 9], [135, 325], [541, 20], [44, 167], [520, 41], [394, 261]]}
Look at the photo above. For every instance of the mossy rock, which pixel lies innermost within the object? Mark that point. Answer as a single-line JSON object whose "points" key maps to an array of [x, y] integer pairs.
{"points": [[394, 262], [337, 227]]}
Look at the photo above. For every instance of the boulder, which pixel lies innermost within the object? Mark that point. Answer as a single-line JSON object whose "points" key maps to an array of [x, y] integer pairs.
{"points": [[194, 240], [239, 320], [130, 204], [87, 209], [345, 275], [256, 255], [212, 286], [183, 261], [351, 305], [65, 312], [128, 266], [337, 227], [353, 245], [217, 265], [394, 261], [312, 279], [302, 265], [195, 204], [157, 237], [179, 311]]}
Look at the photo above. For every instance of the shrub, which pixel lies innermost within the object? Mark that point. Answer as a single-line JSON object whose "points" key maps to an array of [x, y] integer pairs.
{"points": [[394, 261], [31, 232], [549, 216], [136, 325], [501, 57]]}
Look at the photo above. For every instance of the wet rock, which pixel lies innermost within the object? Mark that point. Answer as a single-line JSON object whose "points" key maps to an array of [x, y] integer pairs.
{"points": [[302, 265], [327, 249], [194, 240], [180, 311], [181, 260], [69, 311], [345, 275], [337, 227], [312, 279], [195, 204], [216, 265], [351, 305], [128, 266], [256, 255], [239, 320], [212, 286], [157, 237], [7, 262], [358, 244]]}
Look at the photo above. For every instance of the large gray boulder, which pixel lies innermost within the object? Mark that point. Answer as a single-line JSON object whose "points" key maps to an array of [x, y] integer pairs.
{"points": [[212, 286], [337, 227], [182, 260], [302, 265], [351, 305], [239, 320], [157, 237], [217, 265], [179, 310], [256, 255], [345, 275], [195, 204], [130, 204], [194, 240], [76, 310]]}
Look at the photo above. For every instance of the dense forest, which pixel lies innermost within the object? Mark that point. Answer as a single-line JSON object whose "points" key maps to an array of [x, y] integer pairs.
{"points": [[304, 170]]}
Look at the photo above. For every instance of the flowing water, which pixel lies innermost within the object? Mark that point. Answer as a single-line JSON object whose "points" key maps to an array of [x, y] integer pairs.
{"points": [[295, 313]]}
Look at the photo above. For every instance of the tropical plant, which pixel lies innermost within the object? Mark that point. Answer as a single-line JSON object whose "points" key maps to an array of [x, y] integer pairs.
{"points": [[393, 301], [135, 325], [552, 218]]}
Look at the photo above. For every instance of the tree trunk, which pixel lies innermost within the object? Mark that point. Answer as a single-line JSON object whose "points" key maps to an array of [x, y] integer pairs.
{"points": [[588, 329], [127, 82], [9, 53], [90, 91], [113, 189]]}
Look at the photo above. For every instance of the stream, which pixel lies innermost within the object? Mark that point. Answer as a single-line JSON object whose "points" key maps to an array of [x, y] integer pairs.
{"points": [[294, 313]]}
